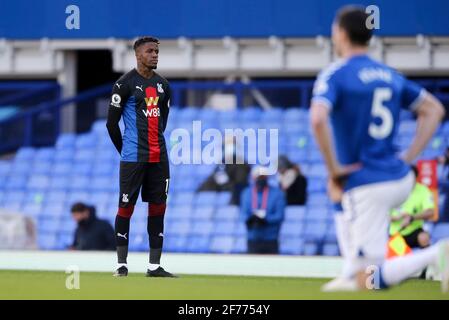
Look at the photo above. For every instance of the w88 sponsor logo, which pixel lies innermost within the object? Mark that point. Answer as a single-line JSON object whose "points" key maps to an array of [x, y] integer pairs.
{"points": [[152, 113]]}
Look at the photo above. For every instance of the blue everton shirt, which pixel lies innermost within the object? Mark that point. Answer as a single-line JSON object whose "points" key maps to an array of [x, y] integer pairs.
{"points": [[365, 98]]}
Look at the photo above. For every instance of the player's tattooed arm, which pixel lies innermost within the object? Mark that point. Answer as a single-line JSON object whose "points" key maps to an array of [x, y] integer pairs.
{"points": [[118, 100]]}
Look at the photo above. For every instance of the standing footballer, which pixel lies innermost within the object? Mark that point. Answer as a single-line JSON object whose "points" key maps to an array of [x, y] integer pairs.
{"points": [[142, 97]]}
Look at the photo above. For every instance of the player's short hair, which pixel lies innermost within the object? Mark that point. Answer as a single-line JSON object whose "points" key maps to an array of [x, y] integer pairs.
{"points": [[79, 207], [140, 41], [353, 20]]}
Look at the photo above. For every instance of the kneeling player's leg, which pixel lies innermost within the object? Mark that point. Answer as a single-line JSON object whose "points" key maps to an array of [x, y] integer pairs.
{"points": [[367, 209], [131, 176]]}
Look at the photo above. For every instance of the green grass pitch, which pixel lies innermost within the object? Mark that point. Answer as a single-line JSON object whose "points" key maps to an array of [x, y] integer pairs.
{"points": [[52, 285]]}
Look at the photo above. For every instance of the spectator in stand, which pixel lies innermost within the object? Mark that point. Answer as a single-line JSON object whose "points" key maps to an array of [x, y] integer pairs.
{"points": [[232, 175], [91, 232], [262, 208], [292, 182]]}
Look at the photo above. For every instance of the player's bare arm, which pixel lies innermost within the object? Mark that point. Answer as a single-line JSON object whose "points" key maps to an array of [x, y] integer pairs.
{"points": [[430, 113]]}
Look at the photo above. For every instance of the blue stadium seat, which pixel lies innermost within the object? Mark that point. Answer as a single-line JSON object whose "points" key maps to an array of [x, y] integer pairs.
{"points": [[60, 183], [139, 225], [221, 244], [296, 115], [317, 199], [240, 245], [138, 242], [228, 115], [21, 168], [297, 155], [65, 154], [47, 241], [208, 114], [99, 198], [297, 130], [65, 140], [223, 198], [203, 213], [25, 154], [103, 169], [330, 249], [38, 182], [331, 234], [315, 231], [250, 114], [85, 141], [317, 171], [202, 228], [5, 167], [35, 197], [77, 196], [291, 245], [48, 226], [445, 129], [179, 228], [65, 239], [54, 211], [15, 196], [82, 168], [67, 225], [102, 184], [85, 155], [45, 154], [42, 167], [240, 229], [184, 185], [407, 127], [205, 198], [15, 206], [310, 249], [317, 214], [61, 168], [79, 183], [175, 244], [99, 127], [275, 114], [184, 198], [32, 210], [198, 244], [179, 211], [316, 185], [440, 231], [16, 182], [295, 213], [229, 212], [291, 229], [104, 212], [224, 228]]}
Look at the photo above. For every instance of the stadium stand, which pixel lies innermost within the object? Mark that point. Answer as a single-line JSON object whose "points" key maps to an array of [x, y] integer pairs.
{"points": [[43, 183]]}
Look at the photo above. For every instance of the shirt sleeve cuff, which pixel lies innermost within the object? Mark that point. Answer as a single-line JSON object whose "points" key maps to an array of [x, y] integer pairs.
{"points": [[324, 101], [416, 103]]}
